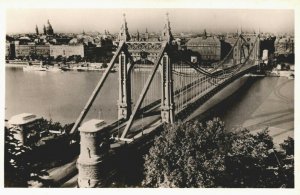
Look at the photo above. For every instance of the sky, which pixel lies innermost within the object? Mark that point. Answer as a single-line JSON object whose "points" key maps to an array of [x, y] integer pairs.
{"points": [[182, 20]]}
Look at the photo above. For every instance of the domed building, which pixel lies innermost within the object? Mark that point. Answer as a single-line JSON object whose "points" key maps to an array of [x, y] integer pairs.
{"points": [[74, 41], [209, 48], [83, 39]]}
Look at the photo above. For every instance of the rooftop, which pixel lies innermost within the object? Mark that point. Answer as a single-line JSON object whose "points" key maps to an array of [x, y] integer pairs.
{"points": [[201, 40], [92, 125], [22, 119]]}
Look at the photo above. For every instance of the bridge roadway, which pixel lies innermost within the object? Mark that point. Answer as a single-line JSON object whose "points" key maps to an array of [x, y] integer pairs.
{"points": [[150, 120]]}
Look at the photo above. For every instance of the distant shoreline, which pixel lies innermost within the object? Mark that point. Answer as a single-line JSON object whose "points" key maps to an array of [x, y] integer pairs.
{"points": [[15, 65]]}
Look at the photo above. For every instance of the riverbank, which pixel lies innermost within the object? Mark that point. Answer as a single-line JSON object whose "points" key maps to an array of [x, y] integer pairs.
{"points": [[13, 65]]}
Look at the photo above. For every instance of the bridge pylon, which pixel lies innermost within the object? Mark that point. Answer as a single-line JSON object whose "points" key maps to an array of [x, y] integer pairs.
{"points": [[257, 50], [247, 47], [237, 51], [124, 102], [167, 100]]}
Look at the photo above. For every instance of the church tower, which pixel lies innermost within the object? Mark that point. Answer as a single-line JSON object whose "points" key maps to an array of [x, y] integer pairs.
{"points": [[44, 29], [166, 33], [49, 29], [138, 35], [36, 30], [124, 34], [204, 34], [146, 35]]}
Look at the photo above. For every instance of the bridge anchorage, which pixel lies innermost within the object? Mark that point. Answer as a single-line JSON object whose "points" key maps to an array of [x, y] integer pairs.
{"points": [[142, 107]]}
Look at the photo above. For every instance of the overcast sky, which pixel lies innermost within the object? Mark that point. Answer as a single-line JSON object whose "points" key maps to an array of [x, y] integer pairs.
{"points": [[214, 20]]}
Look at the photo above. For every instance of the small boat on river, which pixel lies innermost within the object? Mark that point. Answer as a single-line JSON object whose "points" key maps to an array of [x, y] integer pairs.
{"points": [[34, 68], [41, 67]]}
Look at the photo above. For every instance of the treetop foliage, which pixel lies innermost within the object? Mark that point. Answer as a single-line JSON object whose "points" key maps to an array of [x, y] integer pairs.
{"points": [[195, 154]]}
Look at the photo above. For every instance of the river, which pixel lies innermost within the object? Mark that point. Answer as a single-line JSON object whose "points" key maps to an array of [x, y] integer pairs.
{"points": [[60, 96]]}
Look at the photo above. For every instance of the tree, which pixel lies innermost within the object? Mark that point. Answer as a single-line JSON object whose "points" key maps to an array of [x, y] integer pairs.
{"points": [[187, 155], [288, 146], [18, 169], [15, 168], [70, 58], [104, 65], [78, 58], [59, 58], [287, 156], [19, 165], [249, 161], [193, 154]]}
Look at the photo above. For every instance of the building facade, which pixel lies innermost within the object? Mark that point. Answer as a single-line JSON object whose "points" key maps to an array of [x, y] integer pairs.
{"points": [[31, 49], [9, 50], [284, 45], [24, 50], [66, 50], [209, 48], [42, 50]]}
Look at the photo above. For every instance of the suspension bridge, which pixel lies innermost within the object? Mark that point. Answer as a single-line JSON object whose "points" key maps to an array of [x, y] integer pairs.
{"points": [[170, 91]]}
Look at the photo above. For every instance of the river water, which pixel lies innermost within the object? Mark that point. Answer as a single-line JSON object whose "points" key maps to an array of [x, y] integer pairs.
{"points": [[60, 96]]}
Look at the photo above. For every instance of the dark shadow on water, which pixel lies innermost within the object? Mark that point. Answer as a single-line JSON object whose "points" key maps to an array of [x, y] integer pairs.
{"points": [[227, 106], [243, 103], [271, 119], [267, 124], [283, 132], [272, 113]]}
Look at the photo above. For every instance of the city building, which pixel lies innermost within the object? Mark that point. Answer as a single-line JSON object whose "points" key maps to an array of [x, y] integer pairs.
{"points": [[94, 46], [145, 37], [66, 50], [9, 50], [209, 48], [23, 50], [284, 45], [42, 50], [31, 50]]}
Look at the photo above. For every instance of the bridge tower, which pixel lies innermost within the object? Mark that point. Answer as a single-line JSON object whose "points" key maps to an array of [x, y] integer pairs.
{"points": [[247, 46], [253, 42], [146, 35], [131, 51], [124, 102], [124, 34], [256, 49], [237, 48], [167, 101], [166, 34]]}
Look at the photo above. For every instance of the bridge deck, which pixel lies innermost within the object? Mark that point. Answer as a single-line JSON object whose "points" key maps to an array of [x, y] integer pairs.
{"points": [[151, 118]]}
